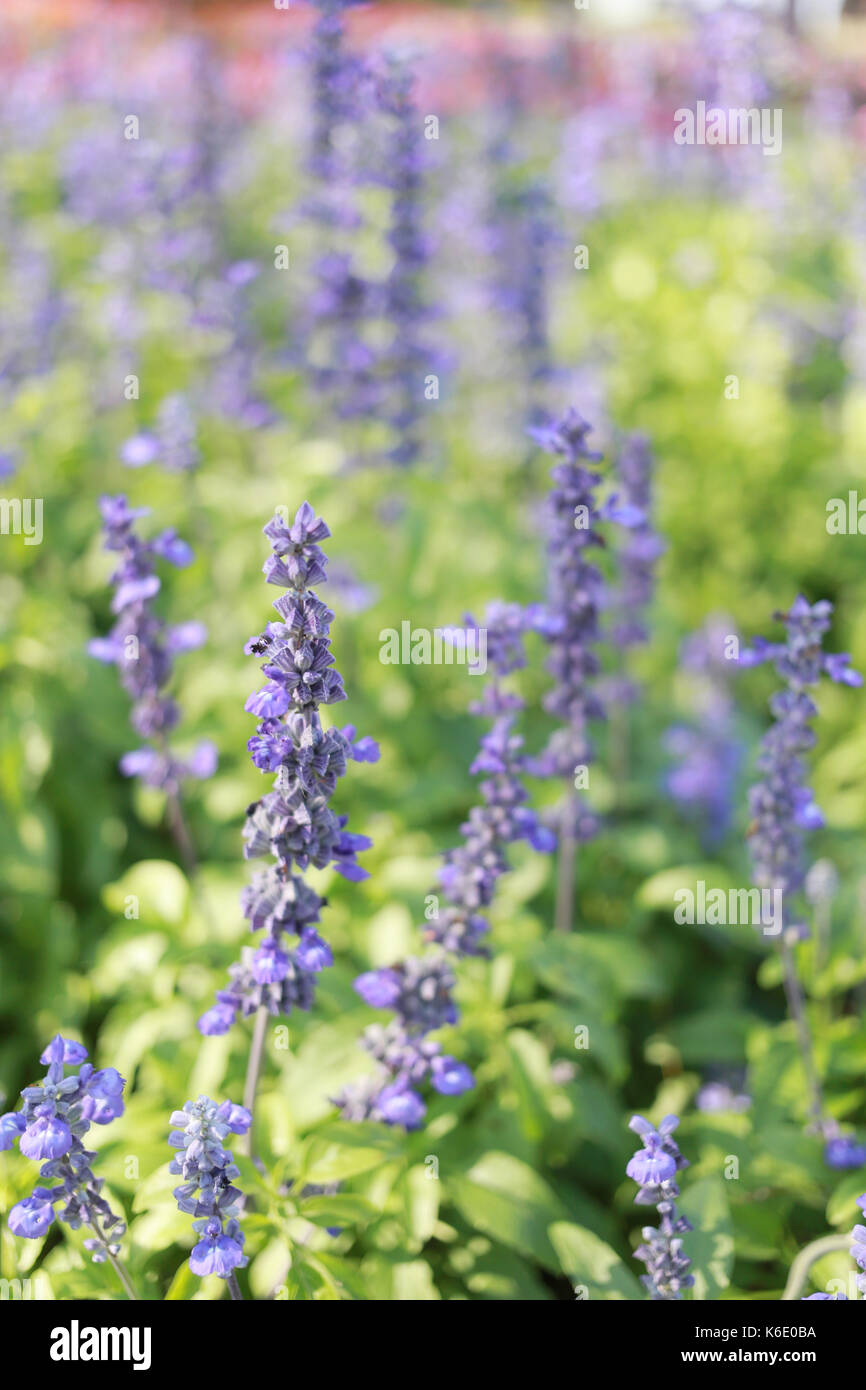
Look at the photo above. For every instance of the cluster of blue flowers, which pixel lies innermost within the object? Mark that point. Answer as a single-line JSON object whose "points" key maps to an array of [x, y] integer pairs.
{"points": [[143, 648], [49, 1128], [637, 556], [339, 357], [419, 990], [654, 1168], [294, 822], [707, 754], [782, 805], [171, 442], [571, 622], [518, 235], [858, 1247], [207, 1191], [409, 357]]}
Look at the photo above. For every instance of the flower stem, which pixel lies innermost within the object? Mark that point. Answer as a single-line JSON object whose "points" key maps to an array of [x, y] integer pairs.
{"points": [[797, 1010], [182, 837], [251, 1085], [826, 1245], [234, 1288], [118, 1268], [564, 910]]}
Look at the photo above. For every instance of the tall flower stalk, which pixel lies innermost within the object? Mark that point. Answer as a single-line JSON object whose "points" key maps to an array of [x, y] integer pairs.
{"points": [[50, 1127], [404, 306], [782, 806], [143, 648], [293, 823], [654, 1168], [419, 990], [207, 1191], [706, 753], [637, 556], [572, 628], [338, 357]]}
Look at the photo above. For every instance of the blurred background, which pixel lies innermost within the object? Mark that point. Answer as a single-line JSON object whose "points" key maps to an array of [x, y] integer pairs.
{"points": [[170, 329]]}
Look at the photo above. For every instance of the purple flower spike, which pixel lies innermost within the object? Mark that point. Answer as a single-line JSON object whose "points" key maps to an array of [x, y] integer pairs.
{"points": [[654, 1168], [707, 754], [294, 822], [782, 806], [638, 554], [419, 990], [142, 648], [208, 1172], [50, 1126], [570, 623]]}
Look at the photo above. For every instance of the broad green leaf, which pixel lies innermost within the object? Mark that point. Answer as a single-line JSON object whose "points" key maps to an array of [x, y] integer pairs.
{"points": [[413, 1282], [156, 888], [269, 1270], [506, 1199], [710, 1245], [183, 1285], [421, 1191], [842, 1208], [592, 1266], [341, 1209]]}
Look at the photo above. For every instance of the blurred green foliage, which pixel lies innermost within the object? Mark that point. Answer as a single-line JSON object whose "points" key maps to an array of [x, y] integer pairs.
{"points": [[515, 1190]]}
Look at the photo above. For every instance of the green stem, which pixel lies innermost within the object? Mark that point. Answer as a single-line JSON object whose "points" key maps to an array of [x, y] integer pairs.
{"points": [[251, 1085], [826, 1245], [564, 909], [118, 1268], [234, 1288], [797, 1010]]}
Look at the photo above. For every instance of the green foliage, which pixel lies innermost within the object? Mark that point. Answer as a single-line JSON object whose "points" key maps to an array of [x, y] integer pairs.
{"points": [[515, 1190]]}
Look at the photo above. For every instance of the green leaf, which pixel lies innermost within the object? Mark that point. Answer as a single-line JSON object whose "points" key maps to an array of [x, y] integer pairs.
{"points": [[341, 1209], [269, 1270], [710, 1245], [842, 1208], [659, 890], [713, 1035], [341, 1150], [413, 1282], [506, 1199], [155, 1189], [421, 1196], [599, 968], [161, 890], [183, 1285], [590, 1264], [530, 1074]]}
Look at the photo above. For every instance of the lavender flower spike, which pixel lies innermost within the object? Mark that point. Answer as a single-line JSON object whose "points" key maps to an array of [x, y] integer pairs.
{"points": [[206, 1192], [408, 356], [571, 626], [142, 647], [49, 1128], [782, 805], [419, 990], [707, 753], [654, 1168], [294, 823], [637, 556]]}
